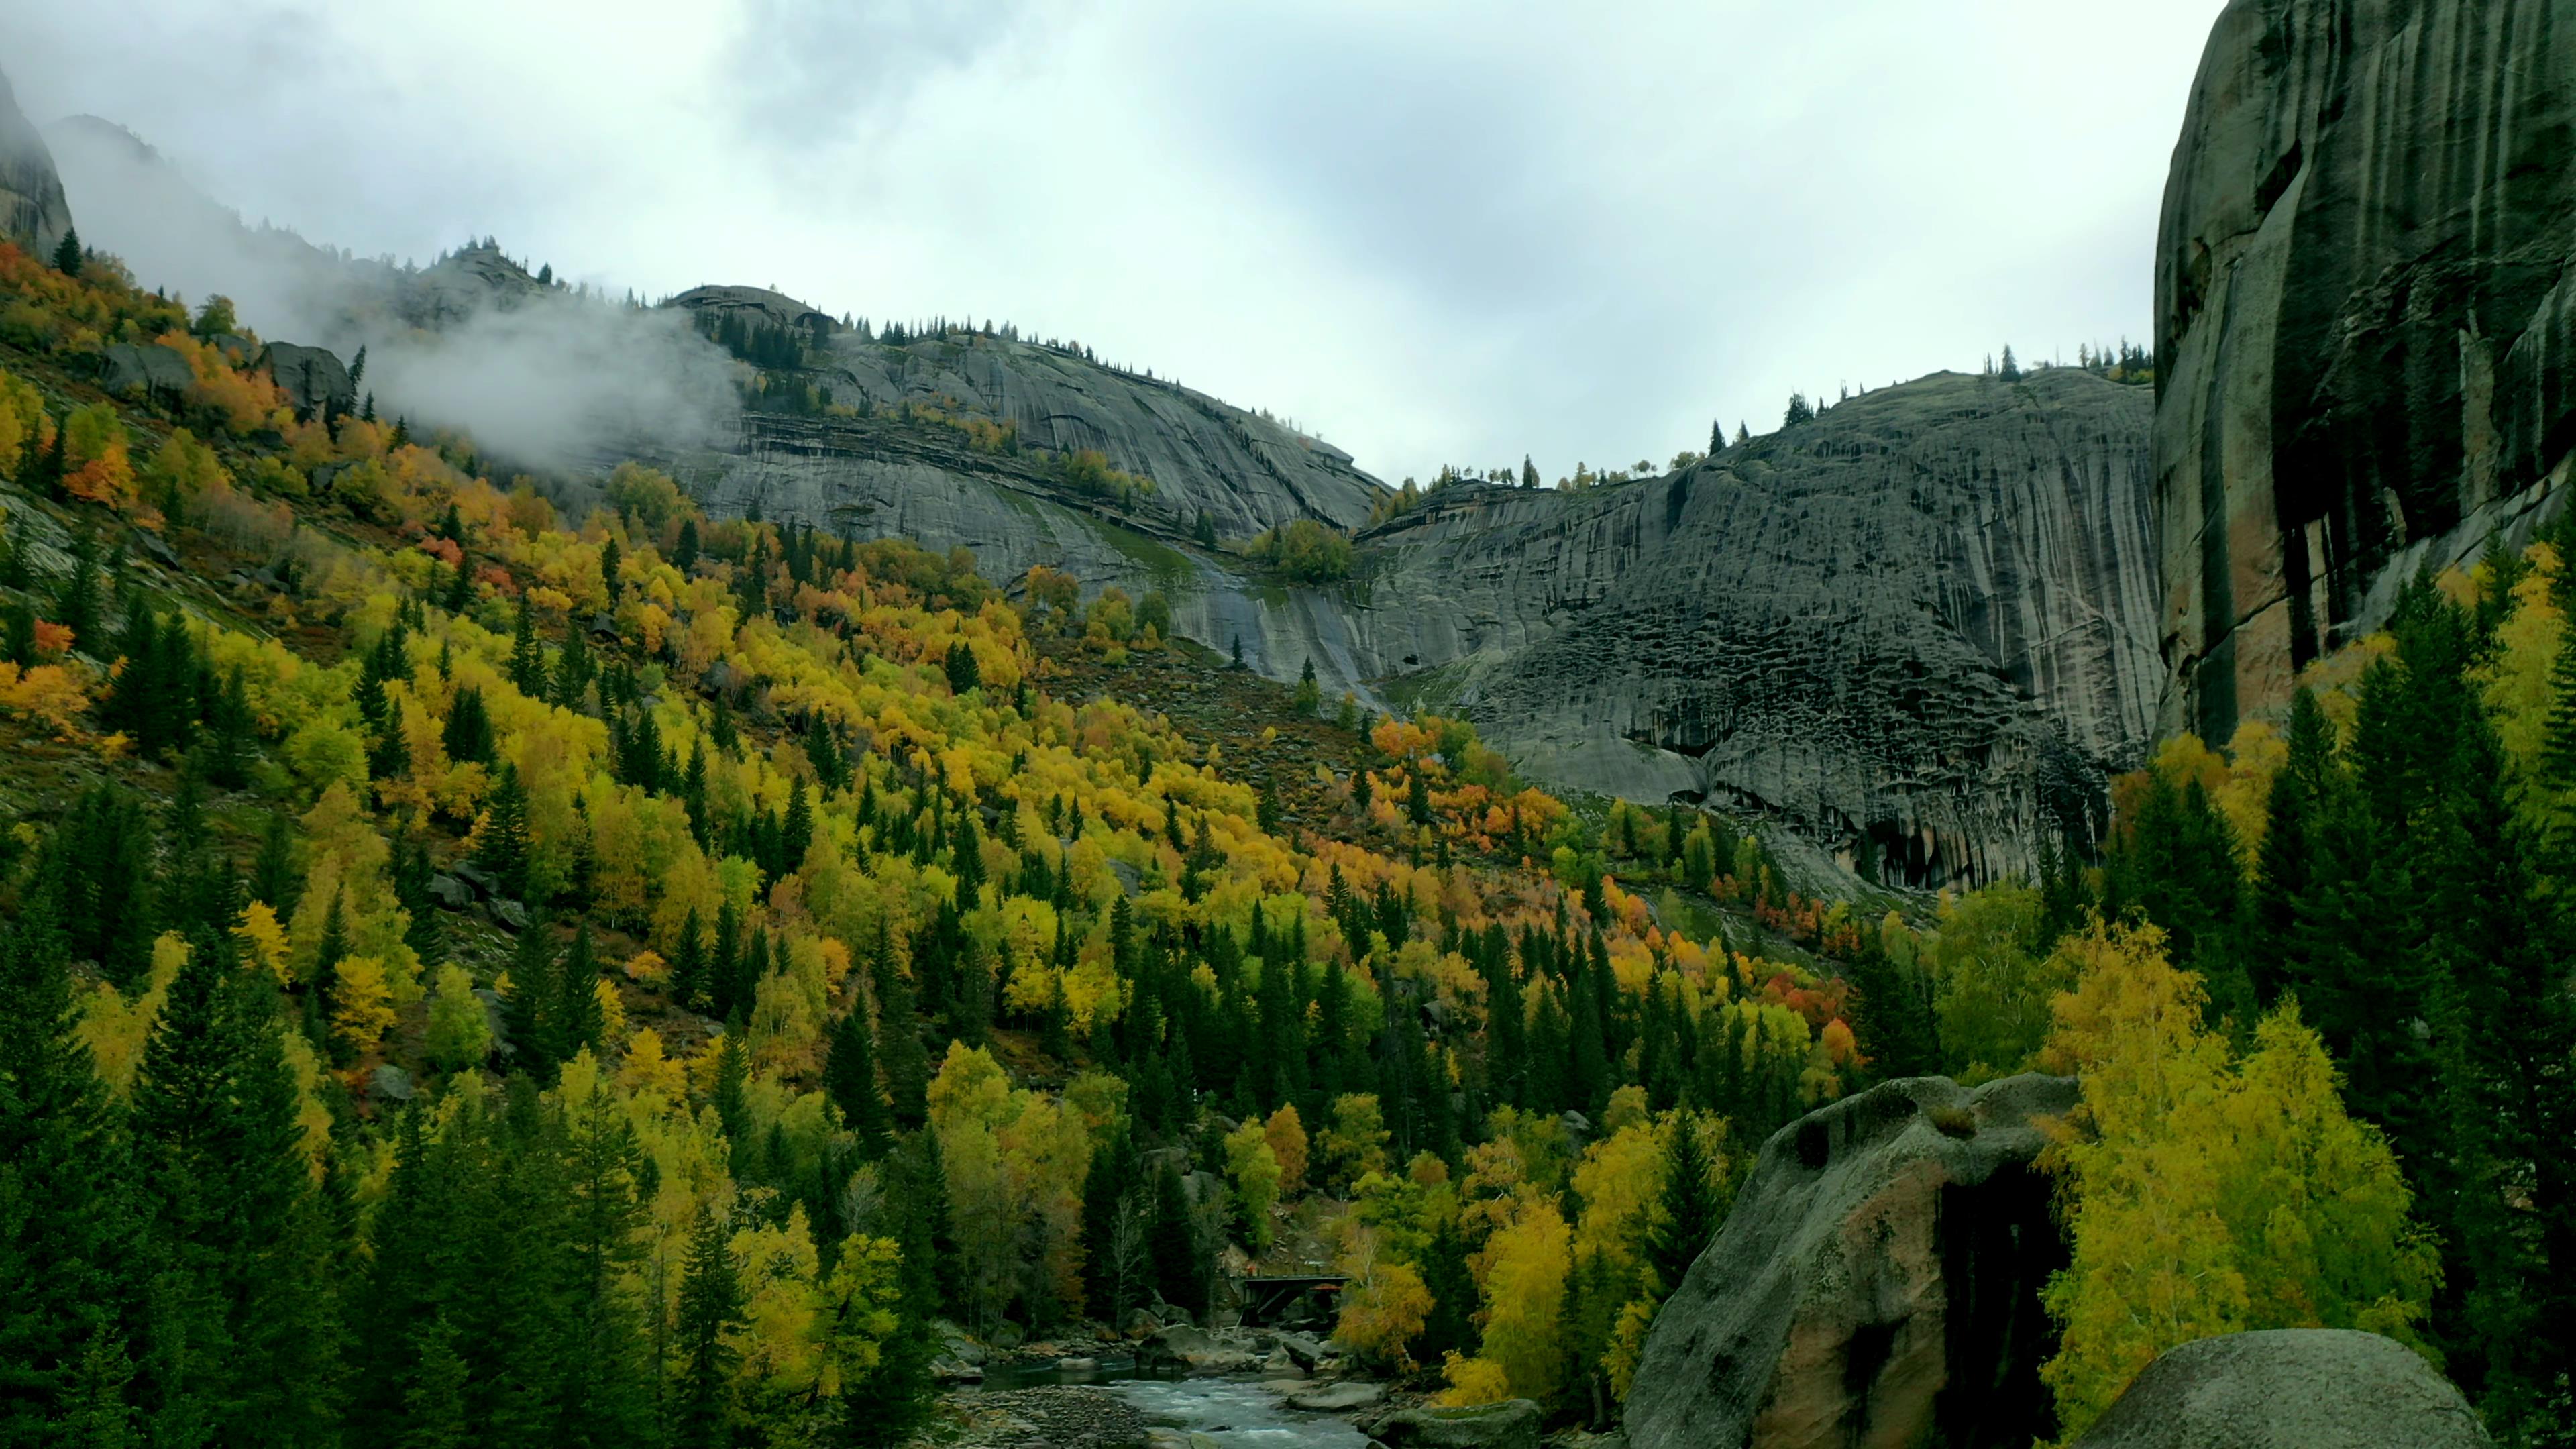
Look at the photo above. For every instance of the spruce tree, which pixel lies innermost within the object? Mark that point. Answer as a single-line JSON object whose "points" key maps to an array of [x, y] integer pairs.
{"points": [[68, 253], [67, 1233], [710, 1308], [1179, 1259], [527, 656], [501, 840], [850, 1080], [1691, 1209], [531, 1005], [582, 1023]]}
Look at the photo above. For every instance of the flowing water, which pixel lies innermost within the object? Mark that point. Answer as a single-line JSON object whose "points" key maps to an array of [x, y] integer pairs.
{"points": [[1236, 1412]]}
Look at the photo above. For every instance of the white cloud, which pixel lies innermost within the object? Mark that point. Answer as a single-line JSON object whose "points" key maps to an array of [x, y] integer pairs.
{"points": [[1438, 232]]}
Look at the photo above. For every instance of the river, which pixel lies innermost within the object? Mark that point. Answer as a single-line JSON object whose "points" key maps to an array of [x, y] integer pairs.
{"points": [[1233, 1410]]}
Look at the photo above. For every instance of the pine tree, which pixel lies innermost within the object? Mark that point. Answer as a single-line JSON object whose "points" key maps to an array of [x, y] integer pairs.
{"points": [[244, 1322], [467, 735], [850, 1080], [531, 1005], [501, 840], [68, 253], [1179, 1260], [77, 605], [1691, 1208], [577, 997], [527, 659], [66, 1236], [710, 1308]]}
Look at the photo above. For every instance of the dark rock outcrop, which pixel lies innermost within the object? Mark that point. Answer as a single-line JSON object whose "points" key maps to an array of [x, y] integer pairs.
{"points": [[144, 368], [2366, 328], [2297, 1388], [313, 377], [33, 211], [1877, 1283]]}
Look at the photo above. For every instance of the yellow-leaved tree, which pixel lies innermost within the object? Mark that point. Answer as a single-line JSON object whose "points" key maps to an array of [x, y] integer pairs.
{"points": [[1521, 1278], [2205, 1195], [1256, 1179]]}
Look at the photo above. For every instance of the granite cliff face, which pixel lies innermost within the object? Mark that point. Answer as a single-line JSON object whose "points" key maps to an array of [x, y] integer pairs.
{"points": [[1246, 472], [2365, 322], [1917, 631], [33, 212]]}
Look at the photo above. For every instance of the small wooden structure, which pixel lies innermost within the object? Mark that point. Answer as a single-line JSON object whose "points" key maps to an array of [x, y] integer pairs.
{"points": [[1269, 1302]]}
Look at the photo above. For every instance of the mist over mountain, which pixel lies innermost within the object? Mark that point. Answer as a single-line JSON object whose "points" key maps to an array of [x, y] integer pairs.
{"points": [[703, 872]]}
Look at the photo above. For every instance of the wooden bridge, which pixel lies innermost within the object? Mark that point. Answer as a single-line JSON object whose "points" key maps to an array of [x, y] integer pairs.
{"points": [[1269, 1301]]}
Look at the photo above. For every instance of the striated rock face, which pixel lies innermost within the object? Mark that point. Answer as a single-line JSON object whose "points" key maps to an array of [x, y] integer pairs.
{"points": [[1876, 1284], [33, 212], [2315, 1388], [2364, 323], [1919, 630], [1246, 472]]}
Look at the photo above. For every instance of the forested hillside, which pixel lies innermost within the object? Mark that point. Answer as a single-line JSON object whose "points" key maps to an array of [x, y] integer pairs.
{"points": [[485, 968], [486, 976]]}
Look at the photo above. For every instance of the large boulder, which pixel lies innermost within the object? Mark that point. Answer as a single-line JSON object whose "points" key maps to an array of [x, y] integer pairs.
{"points": [[142, 369], [313, 378], [2365, 321], [33, 211], [2292, 1388], [1877, 1282], [1511, 1424]]}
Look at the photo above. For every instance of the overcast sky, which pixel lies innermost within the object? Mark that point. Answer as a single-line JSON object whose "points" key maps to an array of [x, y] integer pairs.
{"points": [[1432, 232]]}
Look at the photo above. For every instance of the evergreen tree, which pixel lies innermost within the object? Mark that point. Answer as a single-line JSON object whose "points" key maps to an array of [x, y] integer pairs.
{"points": [[77, 605], [68, 253], [688, 964], [850, 1080], [527, 662], [531, 1005], [244, 1320], [581, 1023], [467, 736], [1691, 1209], [1179, 1260], [710, 1308], [66, 1227], [501, 840]]}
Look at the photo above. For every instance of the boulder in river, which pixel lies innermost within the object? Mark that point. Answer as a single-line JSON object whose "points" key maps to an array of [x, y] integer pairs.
{"points": [[1338, 1398], [1511, 1424], [2293, 1388]]}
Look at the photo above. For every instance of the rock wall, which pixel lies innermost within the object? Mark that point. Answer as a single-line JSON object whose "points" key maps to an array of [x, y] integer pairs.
{"points": [[1246, 472], [2365, 321], [1876, 1285], [1918, 630], [33, 212]]}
